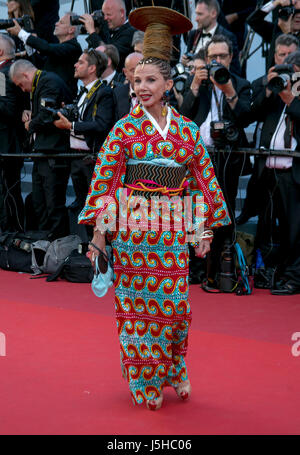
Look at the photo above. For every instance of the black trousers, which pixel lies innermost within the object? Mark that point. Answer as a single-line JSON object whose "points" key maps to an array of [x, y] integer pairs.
{"points": [[279, 219], [11, 201], [228, 169], [81, 175], [49, 187]]}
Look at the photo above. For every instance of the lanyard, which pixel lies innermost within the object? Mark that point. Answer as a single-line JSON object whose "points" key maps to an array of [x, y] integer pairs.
{"points": [[218, 103], [35, 83], [88, 96]]}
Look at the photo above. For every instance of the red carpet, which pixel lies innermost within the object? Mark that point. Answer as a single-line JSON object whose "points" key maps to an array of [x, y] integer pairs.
{"points": [[61, 372]]}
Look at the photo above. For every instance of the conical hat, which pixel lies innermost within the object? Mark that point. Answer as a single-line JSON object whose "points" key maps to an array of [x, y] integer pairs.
{"points": [[159, 24]]}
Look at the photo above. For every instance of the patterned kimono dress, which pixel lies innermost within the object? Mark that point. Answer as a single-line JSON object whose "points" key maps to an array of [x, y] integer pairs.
{"points": [[151, 266]]}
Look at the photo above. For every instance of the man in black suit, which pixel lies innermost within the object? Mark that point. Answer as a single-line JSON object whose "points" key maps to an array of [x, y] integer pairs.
{"points": [[11, 131], [285, 44], [279, 177], [58, 58], [95, 106], [269, 31], [207, 12], [207, 101], [116, 29], [124, 96], [49, 175]]}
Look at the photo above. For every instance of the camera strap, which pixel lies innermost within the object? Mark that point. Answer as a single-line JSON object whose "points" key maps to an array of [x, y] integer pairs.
{"points": [[89, 95], [219, 103], [35, 83]]}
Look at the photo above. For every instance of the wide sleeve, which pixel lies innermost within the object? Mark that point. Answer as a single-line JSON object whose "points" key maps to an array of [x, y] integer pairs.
{"points": [[209, 209], [107, 182]]}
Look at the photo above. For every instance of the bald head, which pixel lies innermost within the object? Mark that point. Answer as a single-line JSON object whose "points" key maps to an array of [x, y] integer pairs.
{"points": [[130, 64], [114, 13]]}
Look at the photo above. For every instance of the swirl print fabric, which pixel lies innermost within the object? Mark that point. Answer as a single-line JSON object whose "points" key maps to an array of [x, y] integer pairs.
{"points": [[151, 266]]}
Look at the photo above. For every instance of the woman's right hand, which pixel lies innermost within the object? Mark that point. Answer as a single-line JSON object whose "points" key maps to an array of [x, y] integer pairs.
{"points": [[99, 241]]}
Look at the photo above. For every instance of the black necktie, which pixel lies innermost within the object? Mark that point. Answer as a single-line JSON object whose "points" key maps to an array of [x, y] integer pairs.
{"points": [[82, 90], [287, 137]]}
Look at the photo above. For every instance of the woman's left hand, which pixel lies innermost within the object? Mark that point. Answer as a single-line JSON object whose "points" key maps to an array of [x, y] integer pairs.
{"points": [[203, 248]]}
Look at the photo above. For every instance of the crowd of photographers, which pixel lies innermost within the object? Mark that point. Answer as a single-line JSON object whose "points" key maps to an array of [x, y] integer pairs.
{"points": [[57, 98]]}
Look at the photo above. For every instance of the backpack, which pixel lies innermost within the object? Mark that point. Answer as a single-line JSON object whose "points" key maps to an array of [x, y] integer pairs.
{"points": [[22, 252], [58, 251], [76, 268]]}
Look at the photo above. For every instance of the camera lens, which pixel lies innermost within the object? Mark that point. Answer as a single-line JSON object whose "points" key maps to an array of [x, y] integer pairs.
{"points": [[278, 83]]}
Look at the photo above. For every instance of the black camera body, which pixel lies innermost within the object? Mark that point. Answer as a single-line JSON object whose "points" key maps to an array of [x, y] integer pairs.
{"points": [[286, 12], [280, 82], [218, 71], [98, 18], [180, 74], [224, 132], [70, 111], [24, 21]]}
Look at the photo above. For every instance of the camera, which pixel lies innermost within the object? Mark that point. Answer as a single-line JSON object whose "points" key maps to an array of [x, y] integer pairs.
{"points": [[285, 12], [24, 21], [70, 111], [223, 133], [97, 16], [280, 82], [180, 75], [218, 71]]}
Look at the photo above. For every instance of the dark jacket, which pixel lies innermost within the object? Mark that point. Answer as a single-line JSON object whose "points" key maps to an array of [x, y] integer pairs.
{"points": [[46, 14], [268, 111], [11, 107], [122, 101], [197, 108], [97, 118], [235, 66], [121, 38], [60, 58], [243, 10], [269, 31], [48, 138]]}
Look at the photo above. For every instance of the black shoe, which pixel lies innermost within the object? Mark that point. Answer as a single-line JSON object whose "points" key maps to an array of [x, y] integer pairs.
{"points": [[285, 288]]}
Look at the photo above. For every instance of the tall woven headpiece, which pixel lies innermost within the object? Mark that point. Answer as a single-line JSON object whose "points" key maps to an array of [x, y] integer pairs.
{"points": [[159, 25]]}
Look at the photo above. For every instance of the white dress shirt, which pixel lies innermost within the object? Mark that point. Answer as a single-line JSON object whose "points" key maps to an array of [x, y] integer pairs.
{"points": [[203, 41], [78, 142], [277, 143], [213, 115]]}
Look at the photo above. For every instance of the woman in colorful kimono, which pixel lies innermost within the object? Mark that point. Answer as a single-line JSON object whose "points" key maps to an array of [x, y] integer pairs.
{"points": [[150, 153]]}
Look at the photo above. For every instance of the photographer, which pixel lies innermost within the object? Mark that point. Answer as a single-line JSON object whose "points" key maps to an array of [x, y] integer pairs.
{"points": [[114, 29], [278, 108], [207, 12], [18, 9], [287, 20], [59, 58], [49, 175], [219, 102], [285, 44], [95, 119], [11, 135]]}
